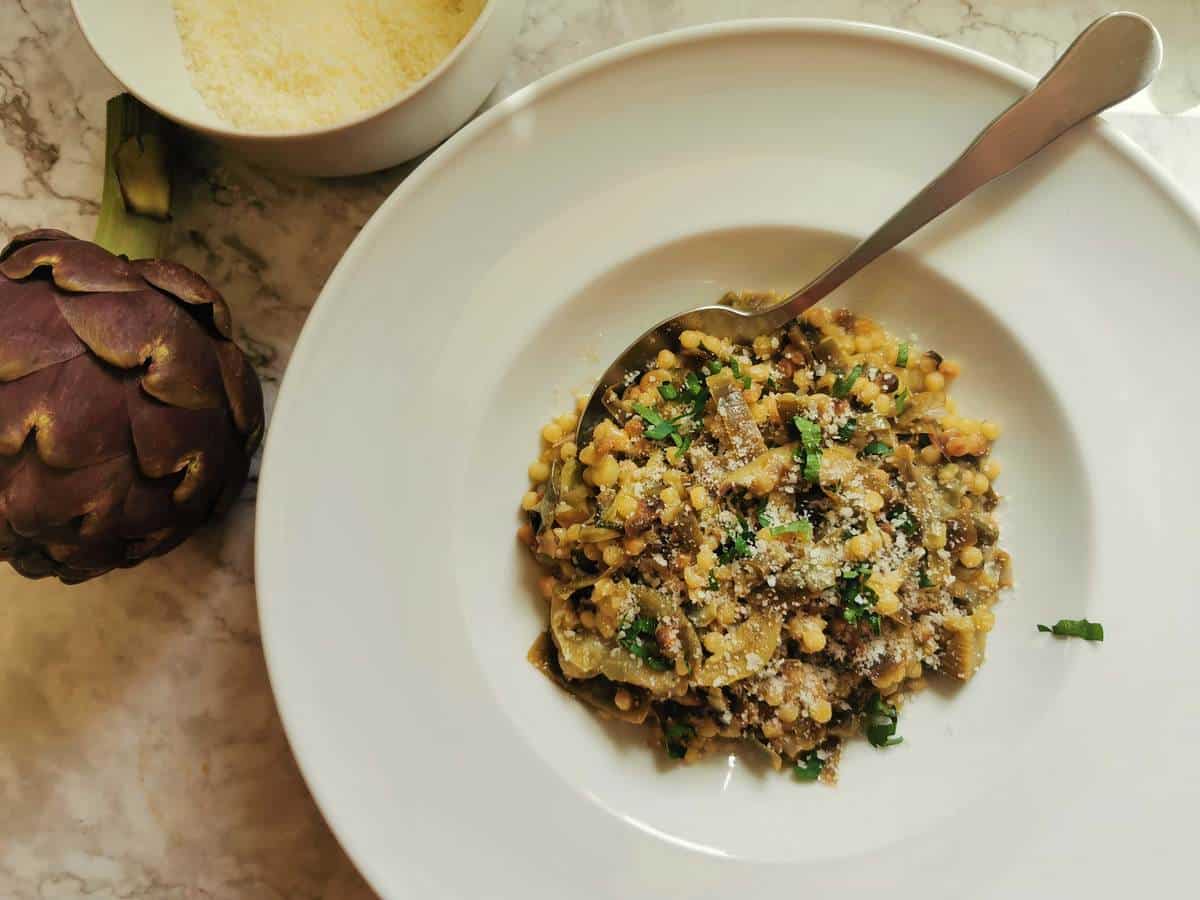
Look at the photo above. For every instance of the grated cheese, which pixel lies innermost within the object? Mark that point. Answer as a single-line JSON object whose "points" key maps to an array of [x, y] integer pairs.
{"points": [[270, 66]]}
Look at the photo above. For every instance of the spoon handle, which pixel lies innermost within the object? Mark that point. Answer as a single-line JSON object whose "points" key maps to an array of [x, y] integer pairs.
{"points": [[1113, 59]]}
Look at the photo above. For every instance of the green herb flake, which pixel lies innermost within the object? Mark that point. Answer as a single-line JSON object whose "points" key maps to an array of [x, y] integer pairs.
{"points": [[638, 638], [676, 736], [901, 401], [737, 373], [846, 432], [902, 355], [809, 768], [880, 723], [764, 519], [737, 545], [923, 579], [660, 428], [668, 391], [812, 466], [800, 526], [1080, 628], [858, 600], [713, 584], [841, 387], [810, 433], [877, 448], [902, 520]]}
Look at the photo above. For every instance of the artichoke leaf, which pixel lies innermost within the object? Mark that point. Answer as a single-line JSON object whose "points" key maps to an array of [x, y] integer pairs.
{"points": [[749, 646], [584, 654], [762, 474], [741, 440], [595, 692]]}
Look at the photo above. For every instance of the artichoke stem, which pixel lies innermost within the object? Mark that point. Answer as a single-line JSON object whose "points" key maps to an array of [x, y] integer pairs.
{"points": [[135, 207]]}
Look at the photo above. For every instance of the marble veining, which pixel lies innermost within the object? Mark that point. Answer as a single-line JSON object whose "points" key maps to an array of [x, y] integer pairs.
{"points": [[141, 755]]}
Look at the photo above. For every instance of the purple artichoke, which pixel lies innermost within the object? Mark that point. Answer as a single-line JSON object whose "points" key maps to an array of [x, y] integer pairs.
{"points": [[127, 414]]}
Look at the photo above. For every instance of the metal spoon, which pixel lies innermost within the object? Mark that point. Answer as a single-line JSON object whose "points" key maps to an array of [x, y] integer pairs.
{"points": [[1114, 58]]}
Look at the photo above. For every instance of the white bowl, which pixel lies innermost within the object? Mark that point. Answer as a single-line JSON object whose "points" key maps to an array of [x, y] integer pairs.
{"points": [[396, 605], [138, 41]]}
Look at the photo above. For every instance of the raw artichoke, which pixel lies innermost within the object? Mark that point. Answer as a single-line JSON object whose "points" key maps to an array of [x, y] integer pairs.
{"points": [[127, 414]]}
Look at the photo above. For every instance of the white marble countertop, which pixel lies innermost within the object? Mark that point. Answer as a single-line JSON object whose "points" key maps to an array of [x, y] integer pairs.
{"points": [[141, 755]]}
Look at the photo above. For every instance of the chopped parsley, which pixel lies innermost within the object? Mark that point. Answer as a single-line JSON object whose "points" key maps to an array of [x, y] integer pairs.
{"points": [[902, 520], [902, 355], [697, 392], [841, 387], [713, 584], [877, 448], [901, 401], [737, 373], [880, 724], [764, 520], [1080, 628], [846, 432], [800, 526], [668, 391], [638, 638], [676, 736], [737, 545], [923, 579], [809, 768], [858, 600], [660, 428], [809, 449]]}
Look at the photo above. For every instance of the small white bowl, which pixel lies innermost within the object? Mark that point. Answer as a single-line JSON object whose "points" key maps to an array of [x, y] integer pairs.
{"points": [[138, 41]]}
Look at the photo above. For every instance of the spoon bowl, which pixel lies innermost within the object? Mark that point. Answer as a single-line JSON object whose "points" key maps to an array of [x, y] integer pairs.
{"points": [[1112, 59]]}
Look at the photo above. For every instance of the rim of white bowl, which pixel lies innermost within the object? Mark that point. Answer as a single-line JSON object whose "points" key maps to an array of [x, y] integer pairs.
{"points": [[230, 131], [289, 704]]}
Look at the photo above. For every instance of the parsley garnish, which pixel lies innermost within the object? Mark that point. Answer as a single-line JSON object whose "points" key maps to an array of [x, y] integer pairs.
{"points": [[800, 526], [846, 432], [737, 373], [902, 355], [764, 520], [737, 545], [659, 427], [638, 638], [1080, 628], [713, 585], [675, 736], [858, 600], [881, 723], [877, 448], [696, 391], [772, 384], [924, 580], [902, 520], [668, 391], [810, 448], [901, 401], [841, 387], [809, 768]]}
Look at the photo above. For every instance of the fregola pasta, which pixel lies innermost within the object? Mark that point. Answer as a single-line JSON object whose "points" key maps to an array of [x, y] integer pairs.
{"points": [[771, 542]]}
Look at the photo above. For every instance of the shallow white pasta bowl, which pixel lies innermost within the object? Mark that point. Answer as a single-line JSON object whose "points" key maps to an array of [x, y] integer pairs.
{"points": [[138, 42], [397, 607]]}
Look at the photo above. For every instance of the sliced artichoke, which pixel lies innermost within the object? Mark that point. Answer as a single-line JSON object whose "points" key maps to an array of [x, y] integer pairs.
{"points": [[741, 440], [597, 692], [761, 475], [748, 647]]}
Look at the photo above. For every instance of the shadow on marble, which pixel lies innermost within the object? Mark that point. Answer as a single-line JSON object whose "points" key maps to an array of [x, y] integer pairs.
{"points": [[141, 753]]}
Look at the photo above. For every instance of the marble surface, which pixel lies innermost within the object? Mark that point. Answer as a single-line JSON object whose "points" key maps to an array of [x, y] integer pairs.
{"points": [[141, 755]]}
